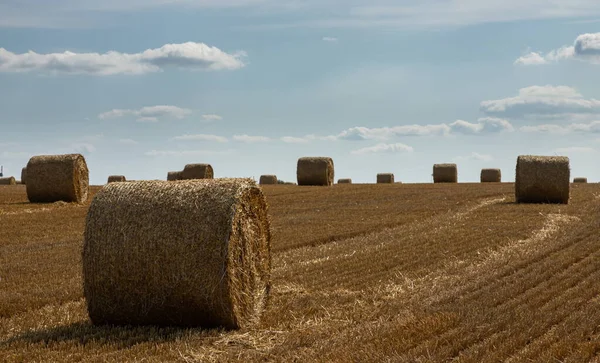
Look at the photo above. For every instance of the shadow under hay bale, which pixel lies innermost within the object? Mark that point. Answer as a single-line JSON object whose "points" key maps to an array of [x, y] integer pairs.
{"points": [[197, 171], [53, 178], [445, 173], [9, 180], [385, 178], [268, 179], [173, 175], [580, 180], [315, 171], [24, 175], [191, 253], [490, 176], [345, 181], [542, 179], [116, 178]]}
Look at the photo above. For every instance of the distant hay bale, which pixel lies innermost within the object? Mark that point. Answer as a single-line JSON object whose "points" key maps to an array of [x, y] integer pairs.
{"points": [[385, 178], [53, 178], [116, 178], [24, 175], [9, 180], [191, 253], [289, 183], [268, 179], [491, 176], [197, 171], [315, 171], [174, 175], [445, 173], [345, 181], [542, 179], [580, 180]]}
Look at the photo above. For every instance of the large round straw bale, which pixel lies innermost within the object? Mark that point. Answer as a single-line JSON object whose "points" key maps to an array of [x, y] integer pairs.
{"points": [[174, 175], [385, 178], [9, 180], [445, 173], [197, 171], [52, 178], [268, 179], [24, 175], [345, 181], [542, 179], [116, 178], [191, 253], [491, 176], [315, 171], [580, 180]]}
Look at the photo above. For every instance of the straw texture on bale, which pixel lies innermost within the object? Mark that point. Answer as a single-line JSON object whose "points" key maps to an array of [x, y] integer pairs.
{"points": [[191, 253], [268, 179], [580, 180], [491, 176], [385, 178], [174, 175], [53, 178], [345, 181], [197, 171], [542, 179], [9, 180], [315, 171], [116, 178], [24, 175], [445, 173]]}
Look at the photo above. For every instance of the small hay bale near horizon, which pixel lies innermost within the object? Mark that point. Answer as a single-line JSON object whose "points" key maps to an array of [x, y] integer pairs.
{"points": [[116, 179], [345, 181], [315, 171], [8, 180], [445, 173], [24, 175], [267, 179], [490, 176], [197, 171], [192, 253], [385, 178], [53, 178], [542, 179], [174, 175], [580, 180]]}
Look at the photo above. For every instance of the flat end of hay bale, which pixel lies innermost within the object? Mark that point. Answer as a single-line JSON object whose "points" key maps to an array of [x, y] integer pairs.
{"points": [[491, 176], [53, 178], [315, 171], [24, 175], [542, 179], [268, 179], [345, 181], [197, 171], [445, 173], [385, 178], [116, 179]]}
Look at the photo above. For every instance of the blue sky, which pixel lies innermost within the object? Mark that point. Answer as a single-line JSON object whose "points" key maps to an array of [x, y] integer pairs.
{"points": [[141, 88]]}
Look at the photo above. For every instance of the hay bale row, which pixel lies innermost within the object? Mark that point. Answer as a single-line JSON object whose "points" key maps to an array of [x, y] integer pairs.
{"points": [[268, 179], [490, 176], [445, 173], [315, 171], [542, 179], [116, 178], [52, 178], [187, 253], [580, 180], [385, 178], [345, 181], [9, 180], [24, 175]]}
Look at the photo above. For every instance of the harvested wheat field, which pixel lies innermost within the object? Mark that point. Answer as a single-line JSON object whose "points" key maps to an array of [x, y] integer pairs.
{"points": [[410, 272]]}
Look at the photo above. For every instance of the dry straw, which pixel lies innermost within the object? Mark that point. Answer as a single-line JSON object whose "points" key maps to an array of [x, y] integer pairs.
{"points": [[24, 175], [345, 181], [116, 178], [580, 180], [197, 171], [491, 176], [268, 179], [445, 173], [52, 178], [385, 178], [9, 180], [191, 253], [174, 175], [542, 179], [315, 171]]}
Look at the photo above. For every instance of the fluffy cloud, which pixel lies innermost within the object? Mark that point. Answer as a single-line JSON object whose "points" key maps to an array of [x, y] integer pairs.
{"points": [[294, 140], [200, 137], [383, 148], [593, 127], [212, 117], [585, 48], [251, 139], [330, 39], [83, 148], [385, 133], [148, 114], [189, 56], [128, 142]]}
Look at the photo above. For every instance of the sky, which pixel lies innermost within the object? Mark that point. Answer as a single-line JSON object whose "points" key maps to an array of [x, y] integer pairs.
{"points": [[143, 87]]}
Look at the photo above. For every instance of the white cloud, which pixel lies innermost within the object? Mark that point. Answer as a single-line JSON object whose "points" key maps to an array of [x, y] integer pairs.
{"points": [[294, 140], [212, 117], [586, 47], [475, 156], [592, 127], [148, 114], [385, 133], [128, 142], [383, 148], [574, 149], [251, 139], [176, 153], [200, 137], [189, 56], [531, 58], [329, 39], [83, 148]]}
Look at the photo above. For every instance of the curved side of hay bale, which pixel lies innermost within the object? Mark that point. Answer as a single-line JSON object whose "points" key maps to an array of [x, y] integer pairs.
{"points": [[191, 253], [345, 181], [542, 179], [52, 178], [9, 180], [315, 171], [174, 175], [267, 179], [580, 180], [445, 173], [24, 175], [385, 178], [197, 171], [116, 178], [490, 176]]}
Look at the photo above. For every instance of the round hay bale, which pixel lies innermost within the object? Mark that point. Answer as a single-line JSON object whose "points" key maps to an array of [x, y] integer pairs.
{"points": [[345, 181], [315, 171], [445, 173], [490, 176], [53, 178], [542, 179], [24, 175], [197, 171], [289, 183], [9, 180], [116, 178], [385, 178], [191, 253], [174, 175], [580, 180], [268, 179]]}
